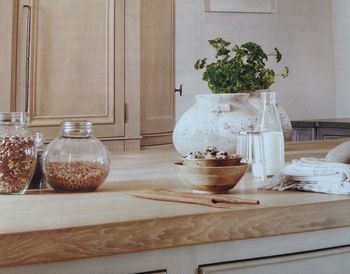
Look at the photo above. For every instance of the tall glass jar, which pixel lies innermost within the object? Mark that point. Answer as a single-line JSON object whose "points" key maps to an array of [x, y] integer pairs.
{"points": [[17, 153], [76, 161]]}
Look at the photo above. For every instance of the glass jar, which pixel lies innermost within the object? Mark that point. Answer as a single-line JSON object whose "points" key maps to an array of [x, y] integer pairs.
{"points": [[75, 161], [17, 153]]}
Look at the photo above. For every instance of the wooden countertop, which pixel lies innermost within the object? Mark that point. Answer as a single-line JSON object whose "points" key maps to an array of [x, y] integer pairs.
{"points": [[49, 226]]}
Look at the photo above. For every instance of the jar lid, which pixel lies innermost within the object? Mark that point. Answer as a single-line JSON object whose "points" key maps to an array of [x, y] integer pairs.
{"points": [[13, 118], [76, 128]]}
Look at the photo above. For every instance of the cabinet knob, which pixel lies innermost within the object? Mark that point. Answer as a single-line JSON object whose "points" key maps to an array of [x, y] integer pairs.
{"points": [[179, 90]]}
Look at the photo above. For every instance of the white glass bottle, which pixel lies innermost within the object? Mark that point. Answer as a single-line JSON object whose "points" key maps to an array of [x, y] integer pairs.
{"points": [[270, 126]]}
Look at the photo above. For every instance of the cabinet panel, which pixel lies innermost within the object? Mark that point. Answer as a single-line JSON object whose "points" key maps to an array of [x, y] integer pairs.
{"points": [[76, 64], [304, 134], [157, 66], [333, 133], [6, 36], [318, 262]]}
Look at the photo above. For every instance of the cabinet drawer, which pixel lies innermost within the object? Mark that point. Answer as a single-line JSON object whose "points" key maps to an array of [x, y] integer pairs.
{"points": [[333, 133], [304, 134], [335, 260]]}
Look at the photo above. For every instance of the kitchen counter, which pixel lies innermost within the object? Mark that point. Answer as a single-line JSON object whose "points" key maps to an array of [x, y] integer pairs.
{"points": [[47, 226]]}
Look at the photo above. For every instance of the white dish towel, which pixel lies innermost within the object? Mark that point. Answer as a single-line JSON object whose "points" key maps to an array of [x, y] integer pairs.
{"points": [[313, 174]]}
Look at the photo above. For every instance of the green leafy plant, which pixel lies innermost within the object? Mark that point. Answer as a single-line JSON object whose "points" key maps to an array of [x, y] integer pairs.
{"points": [[240, 69]]}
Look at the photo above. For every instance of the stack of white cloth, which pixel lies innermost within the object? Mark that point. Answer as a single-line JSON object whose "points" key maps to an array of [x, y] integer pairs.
{"points": [[313, 174]]}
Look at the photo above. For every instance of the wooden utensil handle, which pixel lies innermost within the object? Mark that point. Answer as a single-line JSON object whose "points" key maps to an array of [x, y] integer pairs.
{"points": [[216, 198], [170, 198], [192, 198]]}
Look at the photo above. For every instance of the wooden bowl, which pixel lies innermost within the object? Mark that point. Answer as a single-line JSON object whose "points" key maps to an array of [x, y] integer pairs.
{"points": [[211, 179], [212, 162]]}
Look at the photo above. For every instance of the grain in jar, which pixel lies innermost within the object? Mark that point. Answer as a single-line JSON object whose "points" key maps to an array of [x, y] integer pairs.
{"points": [[17, 153]]}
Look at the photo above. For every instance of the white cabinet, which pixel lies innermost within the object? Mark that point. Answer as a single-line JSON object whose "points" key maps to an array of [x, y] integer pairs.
{"points": [[317, 262]]}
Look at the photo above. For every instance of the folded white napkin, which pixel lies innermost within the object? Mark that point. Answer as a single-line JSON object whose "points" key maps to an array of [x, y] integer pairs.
{"points": [[312, 174]]}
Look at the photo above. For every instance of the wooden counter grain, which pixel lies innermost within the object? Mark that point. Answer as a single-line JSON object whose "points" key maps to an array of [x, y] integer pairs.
{"points": [[47, 227]]}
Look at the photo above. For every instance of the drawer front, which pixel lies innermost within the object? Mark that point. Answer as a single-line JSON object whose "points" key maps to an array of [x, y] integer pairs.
{"points": [[336, 260], [333, 133], [304, 134]]}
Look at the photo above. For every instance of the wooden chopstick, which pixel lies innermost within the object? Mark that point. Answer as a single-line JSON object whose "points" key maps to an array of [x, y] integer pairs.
{"points": [[213, 200]]}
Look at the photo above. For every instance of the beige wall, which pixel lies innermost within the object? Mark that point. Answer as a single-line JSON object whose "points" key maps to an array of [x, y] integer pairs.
{"points": [[301, 29], [341, 39]]}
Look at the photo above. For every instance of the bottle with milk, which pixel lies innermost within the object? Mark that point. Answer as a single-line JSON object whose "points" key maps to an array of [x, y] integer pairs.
{"points": [[270, 126]]}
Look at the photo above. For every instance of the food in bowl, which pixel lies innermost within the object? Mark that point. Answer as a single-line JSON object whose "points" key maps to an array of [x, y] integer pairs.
{"points": [[211, 157], [211, 152], [194, 155]]}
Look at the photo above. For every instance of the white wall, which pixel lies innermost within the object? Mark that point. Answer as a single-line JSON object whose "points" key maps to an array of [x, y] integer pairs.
{"points": [[341, 41], [301, 29]]}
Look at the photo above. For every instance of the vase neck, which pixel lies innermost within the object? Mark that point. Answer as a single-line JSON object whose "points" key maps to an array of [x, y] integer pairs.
{"points": [[222, 98], [257, 93]]}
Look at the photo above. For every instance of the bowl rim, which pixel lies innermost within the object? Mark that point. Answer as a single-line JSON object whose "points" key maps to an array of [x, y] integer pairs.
{"points": [[214, 159], [181, 164]]}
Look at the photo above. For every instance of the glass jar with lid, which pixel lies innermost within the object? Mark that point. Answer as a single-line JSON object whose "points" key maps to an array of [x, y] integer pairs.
{"points": [[17, 153], [76, 161]]}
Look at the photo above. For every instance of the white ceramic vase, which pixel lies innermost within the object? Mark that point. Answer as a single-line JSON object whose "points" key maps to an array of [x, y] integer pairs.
{"points": [[214, 120], [254, 99]]}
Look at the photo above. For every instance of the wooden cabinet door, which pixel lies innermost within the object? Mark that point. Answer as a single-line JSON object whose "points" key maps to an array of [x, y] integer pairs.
{"points": [[157, 66], [76, 64], [6, 37]]}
